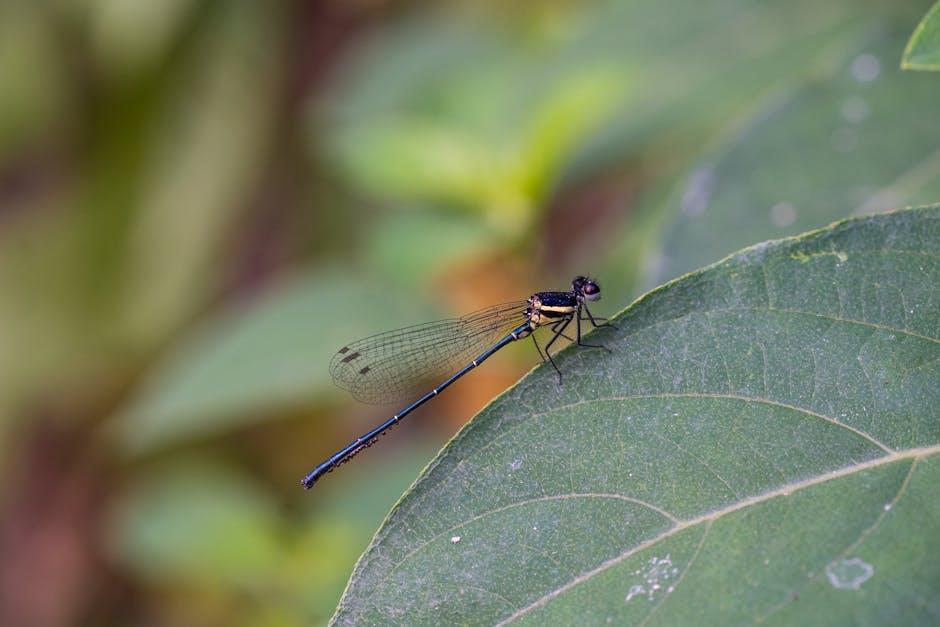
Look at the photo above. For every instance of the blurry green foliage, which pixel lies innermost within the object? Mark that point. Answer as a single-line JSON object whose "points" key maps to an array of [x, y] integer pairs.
{"points": [[862, 136], [131, 37], [33, 93], [107, 267], [467, 118], [205, 525], [447, 238], [269, 354], [169, 527], [923, 49], [148, 150], [208, 154]]}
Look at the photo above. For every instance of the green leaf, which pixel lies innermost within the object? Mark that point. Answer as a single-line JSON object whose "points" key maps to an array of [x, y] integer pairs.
{"points": [[446, 239], [130, 37], [861, 141], [923, 49], [206, 158], [762, 431], [267, 355], [34, 90], [168, 528]]}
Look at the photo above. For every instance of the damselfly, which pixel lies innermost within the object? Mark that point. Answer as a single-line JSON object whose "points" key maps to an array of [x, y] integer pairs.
{"points": [[388, 366]]}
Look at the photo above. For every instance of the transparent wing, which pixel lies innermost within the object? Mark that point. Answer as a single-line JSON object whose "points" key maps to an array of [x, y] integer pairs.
{"points": [[389, 366]]}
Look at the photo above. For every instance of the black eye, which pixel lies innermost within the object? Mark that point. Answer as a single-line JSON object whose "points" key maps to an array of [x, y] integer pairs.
{"points": [[591, 288]]}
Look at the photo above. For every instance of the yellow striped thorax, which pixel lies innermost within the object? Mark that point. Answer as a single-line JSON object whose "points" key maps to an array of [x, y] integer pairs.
{"points": [[550, 307]]}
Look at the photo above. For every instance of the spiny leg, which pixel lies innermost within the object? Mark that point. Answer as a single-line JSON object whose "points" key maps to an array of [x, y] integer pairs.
{"points": [[558, 332], [554, 326], [562, 323], [580, 343], [594, 320], [538, 348]]}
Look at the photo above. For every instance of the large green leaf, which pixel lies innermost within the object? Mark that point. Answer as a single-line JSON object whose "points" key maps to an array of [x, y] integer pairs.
{"points": [[923, 49], [761, 443]]}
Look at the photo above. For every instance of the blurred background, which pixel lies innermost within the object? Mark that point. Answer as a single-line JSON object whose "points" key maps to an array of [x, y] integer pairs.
{"points": [[201, 201]]}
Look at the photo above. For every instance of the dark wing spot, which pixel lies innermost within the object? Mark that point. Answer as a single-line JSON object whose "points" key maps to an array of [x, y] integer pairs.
{"points": [[349, 358], [365, 370], [344, 350]]}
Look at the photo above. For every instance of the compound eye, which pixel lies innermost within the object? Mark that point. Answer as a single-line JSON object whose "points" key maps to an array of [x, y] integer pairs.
{"points": [[591, 290]]}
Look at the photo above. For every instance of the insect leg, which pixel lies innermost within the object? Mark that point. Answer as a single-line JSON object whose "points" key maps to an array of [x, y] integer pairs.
{"points": [[594, 320], [580, 343], [538, 348], [562, 324], [558, 332]]}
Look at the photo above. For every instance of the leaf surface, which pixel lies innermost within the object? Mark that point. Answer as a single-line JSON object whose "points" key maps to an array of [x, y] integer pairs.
{"points": [[764, 431], [923, 49]]}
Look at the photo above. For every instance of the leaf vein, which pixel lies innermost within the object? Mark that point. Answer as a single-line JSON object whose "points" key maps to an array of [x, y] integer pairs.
{"points": [[739, 397], [701, 462], [554, 497], [716, 515], [864, 323], [688, 567], [861, 538]]}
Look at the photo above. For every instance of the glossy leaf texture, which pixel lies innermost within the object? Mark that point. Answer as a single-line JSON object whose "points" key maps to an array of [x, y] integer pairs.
{"points": [[762, 443], [923, 49]]}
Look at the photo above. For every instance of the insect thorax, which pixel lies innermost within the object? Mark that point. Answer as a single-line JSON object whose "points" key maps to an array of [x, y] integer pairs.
{"points": [[549, 307]]}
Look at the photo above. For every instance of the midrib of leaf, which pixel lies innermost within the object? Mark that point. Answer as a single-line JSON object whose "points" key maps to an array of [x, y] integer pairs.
{"points": [[685, 571], [861, 538], [681, 524], [912, 454]]}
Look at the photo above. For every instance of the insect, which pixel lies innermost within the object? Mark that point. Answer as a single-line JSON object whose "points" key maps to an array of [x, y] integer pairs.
{"points": [[388, 366]]}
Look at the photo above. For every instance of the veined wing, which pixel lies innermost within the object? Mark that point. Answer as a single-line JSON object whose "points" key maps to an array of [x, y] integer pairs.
{"points": [[390, 366]]}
